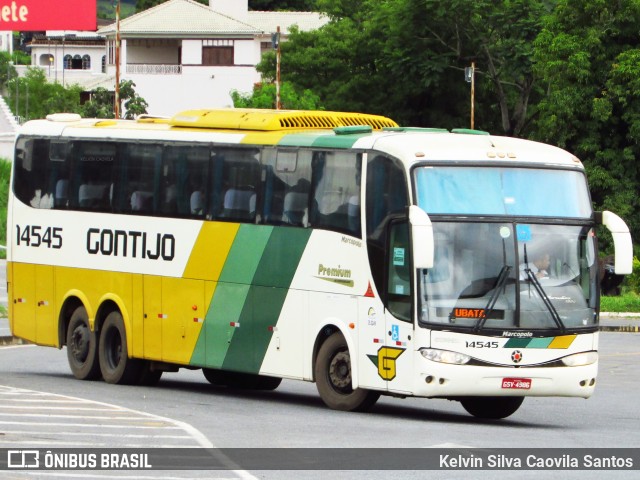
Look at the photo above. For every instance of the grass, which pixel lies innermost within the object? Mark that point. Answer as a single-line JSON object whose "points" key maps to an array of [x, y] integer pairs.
{"points": [[627, 302]]}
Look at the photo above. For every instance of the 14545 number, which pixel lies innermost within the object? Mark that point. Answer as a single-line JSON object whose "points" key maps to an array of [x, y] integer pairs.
{"points": [[38, 236]]}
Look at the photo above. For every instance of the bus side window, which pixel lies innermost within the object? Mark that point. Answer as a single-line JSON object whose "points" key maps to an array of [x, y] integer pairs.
{"points": [[336, 191], [287, 187], [33, 183], [399, 271], [386, 195], [240, 185], [91, 186]]}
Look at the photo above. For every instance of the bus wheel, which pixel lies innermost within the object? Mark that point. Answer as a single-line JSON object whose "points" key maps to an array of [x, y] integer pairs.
{"points": [[491, 407], [148, 376], [333, 378], [115, 364], [82, 347]]}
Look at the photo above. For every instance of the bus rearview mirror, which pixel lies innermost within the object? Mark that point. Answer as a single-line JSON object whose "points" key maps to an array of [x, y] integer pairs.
{"points": [[621, 241], [421, 237]]}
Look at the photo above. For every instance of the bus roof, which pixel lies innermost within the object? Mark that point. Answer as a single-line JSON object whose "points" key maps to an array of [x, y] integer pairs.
{"points": [[319, 129]]}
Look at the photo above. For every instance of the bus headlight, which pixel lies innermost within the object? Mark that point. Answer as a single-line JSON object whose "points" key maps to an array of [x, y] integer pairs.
{"points": [[580, 359], [445, 356]]}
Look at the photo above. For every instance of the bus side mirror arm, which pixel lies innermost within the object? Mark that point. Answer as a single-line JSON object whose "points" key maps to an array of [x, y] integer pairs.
{"points": [[621, 241], [421, 237]]}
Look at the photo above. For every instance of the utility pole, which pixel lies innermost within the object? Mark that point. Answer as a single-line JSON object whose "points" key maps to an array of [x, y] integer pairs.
{"points": [[473, 94], [275, 39], [116, 106]]}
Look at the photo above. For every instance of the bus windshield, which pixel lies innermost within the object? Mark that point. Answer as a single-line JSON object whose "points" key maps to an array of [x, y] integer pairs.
{"points": [[473, 190], [507, 274]]}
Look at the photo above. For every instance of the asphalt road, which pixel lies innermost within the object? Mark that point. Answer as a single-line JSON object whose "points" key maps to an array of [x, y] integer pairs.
{"points": [[183, 409]]}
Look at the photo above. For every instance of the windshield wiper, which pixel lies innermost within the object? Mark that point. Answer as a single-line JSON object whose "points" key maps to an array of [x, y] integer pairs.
{"points": [[545, 299], [488, 309]]}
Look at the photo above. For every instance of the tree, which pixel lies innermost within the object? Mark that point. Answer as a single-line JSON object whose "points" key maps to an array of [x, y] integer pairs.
{"points": [[36, 98], [7, 70], [101, 103], [264, 96], [405, 58], [588, 58], [134, 104]]}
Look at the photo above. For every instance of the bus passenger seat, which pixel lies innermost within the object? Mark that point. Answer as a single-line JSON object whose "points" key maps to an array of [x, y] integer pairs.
{"points": [[91, 195], [239, 204], [62, 193], [197, 203], [141, 201], [295, 211]]}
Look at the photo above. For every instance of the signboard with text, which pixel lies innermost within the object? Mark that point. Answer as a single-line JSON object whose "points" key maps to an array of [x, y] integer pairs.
{"points": [[37, 15]]}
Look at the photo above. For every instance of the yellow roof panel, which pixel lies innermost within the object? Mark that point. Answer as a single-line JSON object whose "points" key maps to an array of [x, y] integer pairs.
{"points": [[271, 120]]}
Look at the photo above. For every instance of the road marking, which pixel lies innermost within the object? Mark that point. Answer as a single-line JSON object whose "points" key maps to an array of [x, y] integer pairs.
{"points": [[23, 403]]}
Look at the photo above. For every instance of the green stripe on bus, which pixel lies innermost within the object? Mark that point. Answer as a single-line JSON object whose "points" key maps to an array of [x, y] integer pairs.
{"points": [[540, 342], [245, 254], [517, 343], [266, 298], [230, 296], [219, 325]]}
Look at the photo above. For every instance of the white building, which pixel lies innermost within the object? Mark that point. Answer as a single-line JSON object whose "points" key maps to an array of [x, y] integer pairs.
{"points": [[182, 54], [72, 58]]}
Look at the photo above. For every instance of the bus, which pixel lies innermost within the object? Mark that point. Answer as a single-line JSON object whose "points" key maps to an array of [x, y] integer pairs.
{"points": [[329, 247]]}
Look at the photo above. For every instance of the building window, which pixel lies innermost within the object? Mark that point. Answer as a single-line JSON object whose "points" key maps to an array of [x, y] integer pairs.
{"points": [[104, 64], [86, 62], [68, 62], [217, 56]]}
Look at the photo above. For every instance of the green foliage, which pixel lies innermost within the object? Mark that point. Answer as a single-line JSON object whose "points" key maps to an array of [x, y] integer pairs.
{"points": [[36, 98], [628, 302], [5, 174], [632, 282], [587, 58], [406, 58], [264, 96], [134, 104], [107, 8], [7, 70], [101, 105]]}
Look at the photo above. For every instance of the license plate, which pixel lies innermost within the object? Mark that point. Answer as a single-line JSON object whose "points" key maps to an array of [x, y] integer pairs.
{"points": [[516, 383]]}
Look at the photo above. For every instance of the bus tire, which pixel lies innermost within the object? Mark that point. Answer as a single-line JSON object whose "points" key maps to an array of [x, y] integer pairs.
{"points": [[493, 408], [82, 347], [115, 364], [332, 372]]}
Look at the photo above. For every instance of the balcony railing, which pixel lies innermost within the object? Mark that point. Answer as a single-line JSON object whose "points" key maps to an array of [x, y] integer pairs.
{"points": [[154, 69]]}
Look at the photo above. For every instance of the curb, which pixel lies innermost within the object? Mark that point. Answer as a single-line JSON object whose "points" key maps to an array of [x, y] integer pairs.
{"points": [[5, 341]]}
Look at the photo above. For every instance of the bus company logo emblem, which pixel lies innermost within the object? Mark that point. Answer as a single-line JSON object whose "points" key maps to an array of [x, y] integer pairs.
{"points": [[516, 356], [386, 361], [23, 459]]}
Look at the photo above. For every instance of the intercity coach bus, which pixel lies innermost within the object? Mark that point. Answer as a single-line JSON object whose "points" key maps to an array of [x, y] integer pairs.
{"points": [[329, 247]]}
